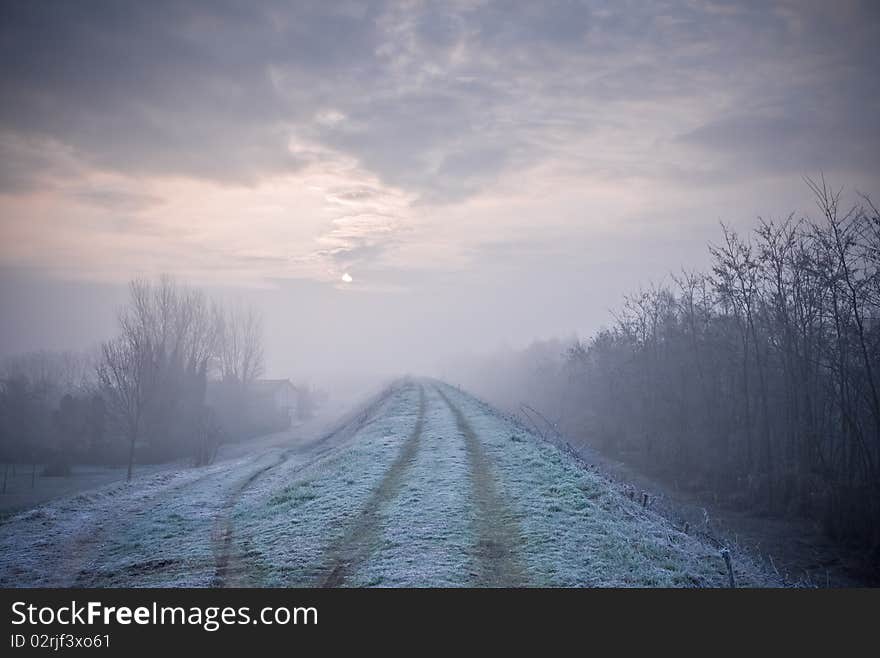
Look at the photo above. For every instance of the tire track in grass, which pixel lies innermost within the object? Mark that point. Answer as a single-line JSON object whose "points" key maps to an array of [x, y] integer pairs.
{"points": [[497, 532], [360, 541], [87, 553], [136, 510], [427, 529], [92, 547], [231, 569], [81, 554]]}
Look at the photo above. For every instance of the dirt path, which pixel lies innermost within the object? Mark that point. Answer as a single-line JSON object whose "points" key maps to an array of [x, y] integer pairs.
{"points": [[231, 567], [96, 529], [360, 540], [423, 487], [497, 531], [87, 548]]}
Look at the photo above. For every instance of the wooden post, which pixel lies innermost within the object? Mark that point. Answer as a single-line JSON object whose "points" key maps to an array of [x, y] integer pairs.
{"points": [[726, 555]]}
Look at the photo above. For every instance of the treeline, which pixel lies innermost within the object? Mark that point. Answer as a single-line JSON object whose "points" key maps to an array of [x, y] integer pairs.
{"points": [[50, 411], [757, 380], [144, 395]]}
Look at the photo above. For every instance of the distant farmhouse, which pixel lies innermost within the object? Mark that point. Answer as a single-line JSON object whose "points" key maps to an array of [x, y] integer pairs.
{"points": [[274, 400]]}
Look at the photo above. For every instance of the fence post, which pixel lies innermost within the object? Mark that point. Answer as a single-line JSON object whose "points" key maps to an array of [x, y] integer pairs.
{"points": [[725, 553]]}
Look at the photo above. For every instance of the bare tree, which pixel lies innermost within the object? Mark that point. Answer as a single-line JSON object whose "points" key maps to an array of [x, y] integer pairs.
{"points": [[152, 380], [240, 338], [155, 373], [757, 383], [122, 373]]}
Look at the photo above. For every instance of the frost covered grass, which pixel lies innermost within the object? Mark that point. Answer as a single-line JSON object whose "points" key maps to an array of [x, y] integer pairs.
{"points": [[427, 529], [578, 529], [378, 503], [146, 532], [161, 529], [171, 544], [287, 523]]}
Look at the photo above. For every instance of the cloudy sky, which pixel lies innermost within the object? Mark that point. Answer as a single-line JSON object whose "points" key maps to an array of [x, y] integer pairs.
{"points": [[483, 172]]}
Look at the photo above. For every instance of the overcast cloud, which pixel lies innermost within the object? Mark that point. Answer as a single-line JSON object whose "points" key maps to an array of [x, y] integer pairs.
{"points": [[517, 164]]}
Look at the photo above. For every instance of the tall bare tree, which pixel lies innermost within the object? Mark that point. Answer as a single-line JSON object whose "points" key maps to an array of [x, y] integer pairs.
{"points": [[240, 342], [758, 382], [123, 374]]}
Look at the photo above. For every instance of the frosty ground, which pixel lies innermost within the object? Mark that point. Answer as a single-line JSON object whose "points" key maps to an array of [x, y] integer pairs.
{"points": [[423, 486]]}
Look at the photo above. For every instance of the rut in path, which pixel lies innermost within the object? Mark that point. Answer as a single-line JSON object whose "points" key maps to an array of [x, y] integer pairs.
{"points": [[497, 531], [230, 566], [86, 551], [361, 539]]}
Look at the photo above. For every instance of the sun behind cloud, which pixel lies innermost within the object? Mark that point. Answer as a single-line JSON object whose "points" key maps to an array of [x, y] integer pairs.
{"points": [[346, 278]]}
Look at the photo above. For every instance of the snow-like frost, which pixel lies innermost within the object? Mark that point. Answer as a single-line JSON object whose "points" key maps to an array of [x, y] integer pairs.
{"points": [[124, 534], [288, 523], [578, 529], [293, 511], [427, 533]]}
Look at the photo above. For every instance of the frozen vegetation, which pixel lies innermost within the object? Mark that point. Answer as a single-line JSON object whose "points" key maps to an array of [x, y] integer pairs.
{"points": [[151, 531], [288, 522], [426, 538], [579, 529], [428, 486]]}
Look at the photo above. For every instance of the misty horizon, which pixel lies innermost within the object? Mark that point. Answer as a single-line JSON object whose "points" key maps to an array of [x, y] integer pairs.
{"points": [[482, 178]]}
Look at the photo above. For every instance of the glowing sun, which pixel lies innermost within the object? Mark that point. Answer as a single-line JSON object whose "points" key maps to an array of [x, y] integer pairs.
{"points": [[346, 278]]}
